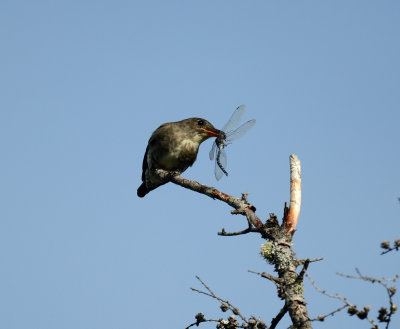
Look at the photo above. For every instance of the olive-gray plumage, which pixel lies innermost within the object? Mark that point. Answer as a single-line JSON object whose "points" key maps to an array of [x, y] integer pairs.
{"points": [[173, 147]]}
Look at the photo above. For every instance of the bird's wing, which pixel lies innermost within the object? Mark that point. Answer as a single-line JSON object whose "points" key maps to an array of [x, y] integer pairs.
{"points": [[154, 138], [144, 166]]}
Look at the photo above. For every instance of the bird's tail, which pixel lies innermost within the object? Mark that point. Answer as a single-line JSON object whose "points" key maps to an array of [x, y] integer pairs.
{"points": [[142, 190]]}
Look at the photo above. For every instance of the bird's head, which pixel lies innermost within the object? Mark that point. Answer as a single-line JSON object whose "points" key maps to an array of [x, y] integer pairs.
{"points": [[198, 129]]}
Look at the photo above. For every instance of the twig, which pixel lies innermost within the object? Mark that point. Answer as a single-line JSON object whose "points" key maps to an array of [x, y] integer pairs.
{"points": [[384, 314], [303, 270], [270, 277], [198, 322], [224, 303], [322, 317], [278, 317], [324, 292], [388, 248], [303, 261], [231, 323], [247, 230], [369, 278], [352, 309]]}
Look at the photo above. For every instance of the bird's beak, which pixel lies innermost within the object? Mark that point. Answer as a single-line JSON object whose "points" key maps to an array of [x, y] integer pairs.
{"points": [[211, 132]]}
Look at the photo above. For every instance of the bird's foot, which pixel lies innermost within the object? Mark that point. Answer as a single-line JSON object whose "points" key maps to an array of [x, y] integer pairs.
{"points": [[173, 173], [165, 175]]}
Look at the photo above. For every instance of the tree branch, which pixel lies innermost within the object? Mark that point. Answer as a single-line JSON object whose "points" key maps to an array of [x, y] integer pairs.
{"points": [[385, 314], [270, 277], [241, 205], [225, 305], [385, 245], [295, 194], [277, 251], [278, 317], [247, 230], [351, 308]]}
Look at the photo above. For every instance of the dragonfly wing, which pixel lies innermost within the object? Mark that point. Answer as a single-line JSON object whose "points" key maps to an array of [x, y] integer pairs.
{"points": [[236, 134], [213, 151], [218, 170], [235, 119], [223, 159]]}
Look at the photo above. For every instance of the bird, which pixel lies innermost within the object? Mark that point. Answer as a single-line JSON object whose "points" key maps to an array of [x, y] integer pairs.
{"points": [[173, 147]]}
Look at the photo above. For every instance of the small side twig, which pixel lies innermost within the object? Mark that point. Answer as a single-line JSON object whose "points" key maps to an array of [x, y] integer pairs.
{"points": [[199, 319], [278, 317], [303, 261], [270, 277], [369, 278], [322, 317], [247, 230], [351, 308], [385, 315], [303, 270], [225, 305], [385, 245]]}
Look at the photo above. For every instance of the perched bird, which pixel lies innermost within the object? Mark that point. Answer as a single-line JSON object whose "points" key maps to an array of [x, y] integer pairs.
{"points": [[173, 147]]}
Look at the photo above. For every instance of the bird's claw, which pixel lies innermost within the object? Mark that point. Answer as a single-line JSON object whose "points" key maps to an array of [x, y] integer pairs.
{"points": [[164, 174], [173, 173]]}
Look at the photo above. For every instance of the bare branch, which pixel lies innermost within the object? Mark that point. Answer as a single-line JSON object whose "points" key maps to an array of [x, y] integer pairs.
{"points": [[303, 270], [199, 319], [278, 317], [369, 278], [324, 292], [295, 194], [322, 317], [385, 315], [239, 204], [388, 248], [351, 308], [247, 230], [225, 305], [270, 277], [303, 261]]}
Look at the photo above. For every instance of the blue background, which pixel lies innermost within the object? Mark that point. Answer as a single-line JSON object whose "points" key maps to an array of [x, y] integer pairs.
{"points": [[83, 85]]}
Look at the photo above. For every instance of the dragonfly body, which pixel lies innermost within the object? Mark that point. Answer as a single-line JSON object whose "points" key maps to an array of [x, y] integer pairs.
{"points": [[226, 136], [220, 142]]}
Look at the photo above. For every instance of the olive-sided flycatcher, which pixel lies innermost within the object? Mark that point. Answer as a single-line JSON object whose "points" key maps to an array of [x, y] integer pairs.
{"points": [[173, 147]]}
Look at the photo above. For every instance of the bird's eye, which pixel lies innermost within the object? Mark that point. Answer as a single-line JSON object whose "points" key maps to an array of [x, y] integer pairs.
{"points": [[200, 123]]}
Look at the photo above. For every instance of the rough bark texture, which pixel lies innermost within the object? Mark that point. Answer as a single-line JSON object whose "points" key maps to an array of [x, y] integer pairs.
{"points": [[278, 252]]}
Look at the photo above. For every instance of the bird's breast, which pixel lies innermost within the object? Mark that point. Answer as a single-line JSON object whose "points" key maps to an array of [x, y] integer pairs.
{"points": [[181, 155], [186, 146]]}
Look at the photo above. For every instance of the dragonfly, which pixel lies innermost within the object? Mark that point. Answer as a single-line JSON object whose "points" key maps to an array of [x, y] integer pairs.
{"points": [[229, 133]]}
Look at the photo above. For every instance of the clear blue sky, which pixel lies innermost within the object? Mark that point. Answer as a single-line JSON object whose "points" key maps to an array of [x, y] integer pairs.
{"points": [[83, 85]]}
